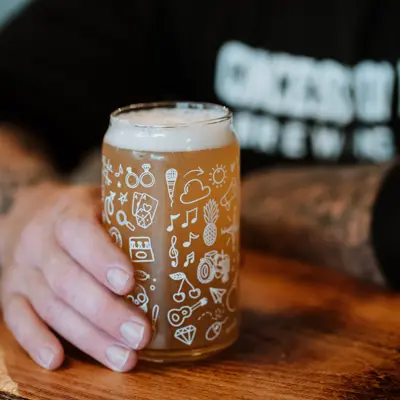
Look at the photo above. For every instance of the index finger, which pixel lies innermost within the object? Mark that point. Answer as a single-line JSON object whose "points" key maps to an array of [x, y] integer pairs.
{"points": [[86, 241]]}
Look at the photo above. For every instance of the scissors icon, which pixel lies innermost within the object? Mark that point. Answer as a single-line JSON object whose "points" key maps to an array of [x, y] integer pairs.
{"points": [[123, 220]]}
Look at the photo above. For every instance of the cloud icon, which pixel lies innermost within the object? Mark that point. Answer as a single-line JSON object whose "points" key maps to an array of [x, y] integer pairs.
{"points": [[194, 191]]}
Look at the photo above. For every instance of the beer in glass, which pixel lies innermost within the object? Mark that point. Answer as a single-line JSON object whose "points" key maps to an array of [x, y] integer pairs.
{"points": [[171, 200]]}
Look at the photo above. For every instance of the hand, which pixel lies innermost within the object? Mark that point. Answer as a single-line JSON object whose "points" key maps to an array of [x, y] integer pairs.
{"points": [[60, 270]]}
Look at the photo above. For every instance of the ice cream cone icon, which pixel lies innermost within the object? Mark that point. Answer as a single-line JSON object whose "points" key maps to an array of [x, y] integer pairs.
{"points": [[171, 177]]}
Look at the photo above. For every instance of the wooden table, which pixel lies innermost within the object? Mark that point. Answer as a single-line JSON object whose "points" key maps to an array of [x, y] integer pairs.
{"points": [[308, 333]]}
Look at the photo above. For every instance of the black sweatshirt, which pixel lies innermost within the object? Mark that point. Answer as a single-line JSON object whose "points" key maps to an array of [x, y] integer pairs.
{"points": [[310, 82]]}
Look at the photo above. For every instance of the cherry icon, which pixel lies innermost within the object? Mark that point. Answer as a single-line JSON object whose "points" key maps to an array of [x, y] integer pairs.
{"points": [[194, 293], [179, 297]]}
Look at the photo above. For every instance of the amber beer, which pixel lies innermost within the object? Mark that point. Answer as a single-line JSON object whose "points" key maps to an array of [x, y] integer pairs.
{"points": [[171, 192]]}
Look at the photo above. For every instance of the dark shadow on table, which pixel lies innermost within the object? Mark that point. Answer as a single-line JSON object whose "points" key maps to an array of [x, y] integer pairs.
{"points": [[270, 339]]}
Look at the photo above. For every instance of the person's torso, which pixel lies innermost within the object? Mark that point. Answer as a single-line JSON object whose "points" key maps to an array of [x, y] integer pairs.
{"points": [[309, 81]]}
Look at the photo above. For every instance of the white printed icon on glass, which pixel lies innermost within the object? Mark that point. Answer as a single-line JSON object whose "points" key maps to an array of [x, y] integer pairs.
{"points": [[211, 213], [231, 298], [146, 179], [194, 191], [192, 236], [199, 171], [191, 217], [154, 318], [214, 265], [186, 334], [173, 252], [232, 231], [123, 198], [120, 171], [218, 176], [144, 208], [217, 295], [230, 195], [140, 249], [107, 170], [180, 295], [190, 259], [122, 220], [215, 330], [172, 218], [218, 314], [177, 316], [142, 276], [171, 176], [109, 206], [115, 236], [131, 179], [140, 299]]}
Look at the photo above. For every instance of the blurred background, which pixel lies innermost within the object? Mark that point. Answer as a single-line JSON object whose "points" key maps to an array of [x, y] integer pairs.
{"points": [[8, 8]]}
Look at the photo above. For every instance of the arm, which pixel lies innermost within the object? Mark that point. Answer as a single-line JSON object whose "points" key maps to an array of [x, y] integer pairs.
{"points": [[318, 215], [60, 86]]}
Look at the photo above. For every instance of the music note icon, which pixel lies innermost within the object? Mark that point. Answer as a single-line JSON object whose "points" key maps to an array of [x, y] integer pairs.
{"points": [[172, 218], [189, 259], [120, 171], [173, 252], [193, 220], [189, 242]]}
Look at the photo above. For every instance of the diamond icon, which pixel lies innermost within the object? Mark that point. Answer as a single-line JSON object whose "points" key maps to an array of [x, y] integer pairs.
{"points": [[217, 294], [186, 334]]}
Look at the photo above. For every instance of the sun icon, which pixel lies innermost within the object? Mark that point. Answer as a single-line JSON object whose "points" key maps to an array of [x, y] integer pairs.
{"points": [[218, 175]]}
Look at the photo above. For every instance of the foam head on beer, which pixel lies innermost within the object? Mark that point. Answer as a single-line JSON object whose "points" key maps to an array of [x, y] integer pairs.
{"points": [[170, 129]]}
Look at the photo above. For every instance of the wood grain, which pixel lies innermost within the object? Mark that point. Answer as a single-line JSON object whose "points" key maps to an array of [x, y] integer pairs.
{"points": [[307, 333]]}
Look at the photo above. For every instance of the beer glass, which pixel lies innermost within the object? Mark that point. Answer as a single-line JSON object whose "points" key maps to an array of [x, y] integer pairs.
{"points": [[171, 200]]}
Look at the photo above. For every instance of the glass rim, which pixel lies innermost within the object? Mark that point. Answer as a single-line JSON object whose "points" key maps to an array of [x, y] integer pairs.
{"points": [[227, 113]]}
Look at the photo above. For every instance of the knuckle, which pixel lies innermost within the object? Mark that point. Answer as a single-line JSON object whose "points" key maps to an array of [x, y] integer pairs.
{"points": [[52, 311], [66, 202], [98, 304], [60, 276], [69, 227], [71, 219], [71, 200], [28, 238], [96, 308]]}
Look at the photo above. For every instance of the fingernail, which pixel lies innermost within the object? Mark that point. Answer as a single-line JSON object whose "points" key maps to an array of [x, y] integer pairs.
{"points": [[46, 357], [118, 279], [117, 356], [132, 332]]}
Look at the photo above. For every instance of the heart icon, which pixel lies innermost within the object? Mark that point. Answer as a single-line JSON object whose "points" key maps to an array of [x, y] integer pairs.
{"points": [[179, 297], [147, 207], [194, 293]]}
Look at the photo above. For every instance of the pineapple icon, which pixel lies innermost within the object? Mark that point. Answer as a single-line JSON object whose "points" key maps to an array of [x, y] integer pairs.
{"points": [[210, 216]]}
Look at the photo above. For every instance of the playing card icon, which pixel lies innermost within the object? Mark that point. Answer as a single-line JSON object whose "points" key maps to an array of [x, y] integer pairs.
{"points": [[144, 208], [186, 334]]}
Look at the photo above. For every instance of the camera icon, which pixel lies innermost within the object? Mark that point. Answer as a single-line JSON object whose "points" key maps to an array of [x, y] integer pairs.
{"points": [[214, 265]]}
